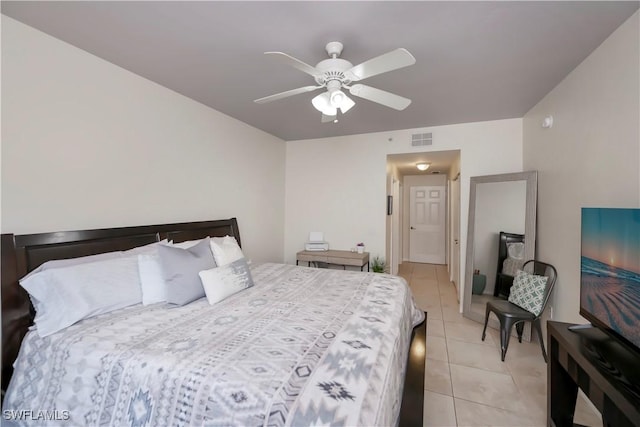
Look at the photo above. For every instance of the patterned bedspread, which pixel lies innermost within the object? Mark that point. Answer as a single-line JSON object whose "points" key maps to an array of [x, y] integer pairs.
{"points": [[302, 347]]}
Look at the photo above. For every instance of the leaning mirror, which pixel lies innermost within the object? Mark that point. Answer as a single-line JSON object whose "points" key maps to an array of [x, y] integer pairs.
{"points": [[501, 237]]}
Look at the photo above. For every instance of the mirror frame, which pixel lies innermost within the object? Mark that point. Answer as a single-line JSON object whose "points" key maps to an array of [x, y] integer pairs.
{"points": [[531, 178]]}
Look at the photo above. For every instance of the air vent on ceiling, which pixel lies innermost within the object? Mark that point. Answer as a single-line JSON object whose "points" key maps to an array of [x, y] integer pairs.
{"points": [[421, 139]]}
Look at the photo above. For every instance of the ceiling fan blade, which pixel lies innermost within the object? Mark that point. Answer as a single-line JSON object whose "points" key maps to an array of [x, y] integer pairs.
{"points": [[389, 61], [294, 62], [328, 119], [286, 94], [388, 99]]}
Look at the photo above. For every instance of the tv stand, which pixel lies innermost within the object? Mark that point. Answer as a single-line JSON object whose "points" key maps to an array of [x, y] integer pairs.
{"points": [[603, 368]]}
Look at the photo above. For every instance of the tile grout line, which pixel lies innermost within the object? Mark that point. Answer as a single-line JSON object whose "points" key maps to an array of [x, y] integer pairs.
{"points": [[446, 343], [422, 278]]}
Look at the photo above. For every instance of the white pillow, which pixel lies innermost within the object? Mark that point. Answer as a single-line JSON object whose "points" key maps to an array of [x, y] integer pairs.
{"points": [[186, 244], [225, 250], [151, 279], [63, 296], [222, 282], [58, 263], [146, 249]]}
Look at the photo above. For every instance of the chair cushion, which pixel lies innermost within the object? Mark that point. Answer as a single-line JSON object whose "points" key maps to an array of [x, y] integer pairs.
{"points": [[527, 291]]}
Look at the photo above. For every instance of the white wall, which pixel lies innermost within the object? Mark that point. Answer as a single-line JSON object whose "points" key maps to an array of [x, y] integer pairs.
{"points": [[338, 185], [590, 157], [86, 144]]}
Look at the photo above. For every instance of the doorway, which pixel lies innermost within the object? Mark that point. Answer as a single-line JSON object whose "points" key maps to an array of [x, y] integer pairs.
{"points": [[402, 174], [427, 224]]}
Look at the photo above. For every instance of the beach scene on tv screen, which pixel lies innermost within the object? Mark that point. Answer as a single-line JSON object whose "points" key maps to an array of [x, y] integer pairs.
{"points": [[610, 269]]}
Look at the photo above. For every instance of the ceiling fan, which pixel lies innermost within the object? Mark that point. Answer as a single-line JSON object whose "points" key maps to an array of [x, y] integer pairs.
{"points": [[336, 74]]}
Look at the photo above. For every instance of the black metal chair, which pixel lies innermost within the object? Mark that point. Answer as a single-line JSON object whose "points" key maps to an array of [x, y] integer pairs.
{"points": [[510, 314]]}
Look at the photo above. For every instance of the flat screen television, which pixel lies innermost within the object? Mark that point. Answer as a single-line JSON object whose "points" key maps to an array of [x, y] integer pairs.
{"points": [[610, 272]]}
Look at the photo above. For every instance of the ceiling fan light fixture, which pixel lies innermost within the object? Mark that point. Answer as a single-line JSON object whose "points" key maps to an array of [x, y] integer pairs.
{"points": [[337, 98], [322, 103], [423, 166], [346, 104]]}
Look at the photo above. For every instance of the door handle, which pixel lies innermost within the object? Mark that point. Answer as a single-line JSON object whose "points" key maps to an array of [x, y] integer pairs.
{"points": [[413, 228]]}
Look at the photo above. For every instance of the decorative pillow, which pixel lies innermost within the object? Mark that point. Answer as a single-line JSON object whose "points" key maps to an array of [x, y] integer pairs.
{"points": [[528, 291], [180, 268], [63, 296], [222, 282], [226, 250], [151, 279]]}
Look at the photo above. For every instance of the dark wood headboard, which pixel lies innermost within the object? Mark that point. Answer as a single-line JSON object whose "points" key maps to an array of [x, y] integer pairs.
{"points": [[23, 253]]}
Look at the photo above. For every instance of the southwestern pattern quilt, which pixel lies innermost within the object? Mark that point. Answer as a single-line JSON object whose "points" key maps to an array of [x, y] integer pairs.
{"points": [[302, 347]]}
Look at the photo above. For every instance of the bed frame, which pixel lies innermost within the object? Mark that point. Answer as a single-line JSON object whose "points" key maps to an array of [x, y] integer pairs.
{"points": [[23, 253]]}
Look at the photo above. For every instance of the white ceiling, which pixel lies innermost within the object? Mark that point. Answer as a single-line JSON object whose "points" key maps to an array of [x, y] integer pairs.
{"points": [[475, 60]]}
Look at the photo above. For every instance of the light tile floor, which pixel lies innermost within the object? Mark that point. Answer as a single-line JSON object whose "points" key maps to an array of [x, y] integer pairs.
{"points": [[466, 384]]}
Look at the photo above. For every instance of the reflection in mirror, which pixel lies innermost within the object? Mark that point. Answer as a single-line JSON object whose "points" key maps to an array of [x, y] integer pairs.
{"points": [[502, 215]]}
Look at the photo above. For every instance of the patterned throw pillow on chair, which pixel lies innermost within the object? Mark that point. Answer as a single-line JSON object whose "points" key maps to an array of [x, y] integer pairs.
{"points": [[528, 291]]}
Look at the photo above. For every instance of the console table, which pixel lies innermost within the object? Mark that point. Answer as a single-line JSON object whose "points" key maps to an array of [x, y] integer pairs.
{"points": [[342, 258], [605, 370]]}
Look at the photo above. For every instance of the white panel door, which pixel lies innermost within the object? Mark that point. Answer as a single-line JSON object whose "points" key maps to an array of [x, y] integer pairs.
{"points": [[427, 224]]}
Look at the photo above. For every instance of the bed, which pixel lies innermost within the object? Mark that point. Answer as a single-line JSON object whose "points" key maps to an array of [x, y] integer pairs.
{"points": [[302, 346]]}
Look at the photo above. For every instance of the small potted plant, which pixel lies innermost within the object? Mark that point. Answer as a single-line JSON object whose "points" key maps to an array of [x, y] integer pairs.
{"points": [[360, 248], [377, 265]]}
